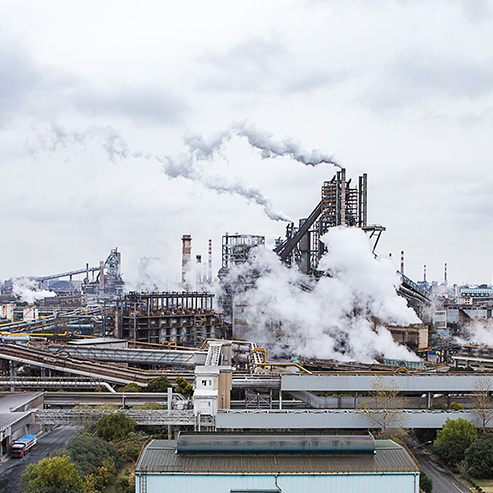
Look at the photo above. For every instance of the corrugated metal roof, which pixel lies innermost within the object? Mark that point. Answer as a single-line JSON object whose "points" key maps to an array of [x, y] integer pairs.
{"points": [[160, 456]]}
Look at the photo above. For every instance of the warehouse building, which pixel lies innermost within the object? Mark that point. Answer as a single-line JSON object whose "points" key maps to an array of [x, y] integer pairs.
{"points": [[268, 463]]}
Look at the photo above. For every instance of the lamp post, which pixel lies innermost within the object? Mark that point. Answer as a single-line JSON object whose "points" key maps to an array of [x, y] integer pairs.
{"points": [[421, 444]]}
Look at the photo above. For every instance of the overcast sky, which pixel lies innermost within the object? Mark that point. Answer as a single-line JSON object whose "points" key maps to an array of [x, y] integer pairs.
{"points": [[97, 98]]}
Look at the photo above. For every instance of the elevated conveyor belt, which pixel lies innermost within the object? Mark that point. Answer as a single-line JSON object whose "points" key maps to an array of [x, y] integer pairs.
{"points": [[69, 364], [161, 357]]}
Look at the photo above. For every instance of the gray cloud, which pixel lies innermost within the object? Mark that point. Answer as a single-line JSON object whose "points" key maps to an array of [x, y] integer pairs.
{"points": [[25, 85], [417, 77], [142, 104], [258, 64]]}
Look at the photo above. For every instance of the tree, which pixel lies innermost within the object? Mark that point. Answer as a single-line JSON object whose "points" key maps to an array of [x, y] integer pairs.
{"points": [[425, 483], [159, 384], [482, 401], [131, 445], [115, 425], [131, 387], [453, 450], [88, 453], [479, 457], [456, 427], [183, 387], [52, 475], [453, 440], [384, 406]]}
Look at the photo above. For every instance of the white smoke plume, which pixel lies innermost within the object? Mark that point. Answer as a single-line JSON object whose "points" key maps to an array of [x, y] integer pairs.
{"points": [[191, 164], [480, 332], [28, 291], [270, 148], [342, 316]]}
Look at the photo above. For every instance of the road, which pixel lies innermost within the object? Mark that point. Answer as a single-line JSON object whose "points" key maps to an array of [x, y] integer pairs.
{"points": [[443, 480], [11, 469]]}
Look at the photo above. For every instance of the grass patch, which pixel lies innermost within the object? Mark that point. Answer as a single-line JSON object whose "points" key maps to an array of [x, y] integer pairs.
{"points": [[486, 484]]}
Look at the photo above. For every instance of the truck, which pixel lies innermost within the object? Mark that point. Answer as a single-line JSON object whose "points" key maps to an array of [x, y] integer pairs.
{"points": [[22, 446]]}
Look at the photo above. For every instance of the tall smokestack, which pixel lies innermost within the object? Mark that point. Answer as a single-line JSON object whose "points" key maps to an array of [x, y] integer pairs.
{"points": [[424, 273], [209, 274], [402, 262], [445, 274], [186, 257]]}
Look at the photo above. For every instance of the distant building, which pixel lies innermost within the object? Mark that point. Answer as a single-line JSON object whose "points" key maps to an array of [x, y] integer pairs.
{"points": [[273, 463]]}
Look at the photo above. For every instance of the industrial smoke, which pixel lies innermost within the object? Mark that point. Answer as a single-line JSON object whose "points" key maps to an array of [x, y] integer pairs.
{"points": [[196, 162], [480, 332], [28, 291], [342, 316]]}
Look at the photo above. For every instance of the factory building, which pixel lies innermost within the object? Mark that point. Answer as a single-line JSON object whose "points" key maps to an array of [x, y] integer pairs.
{"points": [[182, 318], [268, 463]]}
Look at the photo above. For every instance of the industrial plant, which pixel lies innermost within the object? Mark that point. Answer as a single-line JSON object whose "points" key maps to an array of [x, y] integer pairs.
{"points": [[285, 356]]}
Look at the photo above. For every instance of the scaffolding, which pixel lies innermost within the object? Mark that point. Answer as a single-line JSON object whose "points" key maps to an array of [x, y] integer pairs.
{"points": [[236, 248]]}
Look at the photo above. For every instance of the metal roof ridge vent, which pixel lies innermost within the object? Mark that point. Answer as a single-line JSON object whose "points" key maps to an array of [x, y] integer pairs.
{"points": [[270, 443]]}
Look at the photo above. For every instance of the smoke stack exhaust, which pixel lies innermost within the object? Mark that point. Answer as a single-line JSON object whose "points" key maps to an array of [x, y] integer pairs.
{"points": [[186, 258], [445, 274], [424, 273], [402, 262]]}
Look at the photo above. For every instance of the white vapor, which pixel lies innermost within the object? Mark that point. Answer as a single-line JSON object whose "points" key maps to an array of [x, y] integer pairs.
{"points": [[480, 332], [190, 164], [342, 316], [28, 291]]}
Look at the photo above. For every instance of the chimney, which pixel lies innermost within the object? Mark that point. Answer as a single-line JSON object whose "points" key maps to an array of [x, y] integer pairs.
{"points": [[186, 257], [445, 274], [209, 274], [402, 262], [424, 273]]}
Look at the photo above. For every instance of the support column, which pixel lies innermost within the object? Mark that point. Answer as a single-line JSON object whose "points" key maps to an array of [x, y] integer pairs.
{"points": [[170, 407], [429, 399]]}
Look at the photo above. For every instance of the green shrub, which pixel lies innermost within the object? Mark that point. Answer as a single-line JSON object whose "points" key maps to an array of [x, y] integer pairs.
{"points": [[425, 483], [453, 450], [88, 453], [115, 425], [479, 457]]}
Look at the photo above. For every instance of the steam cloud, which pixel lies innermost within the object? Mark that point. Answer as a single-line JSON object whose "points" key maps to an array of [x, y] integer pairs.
{"points": [[342, 317], [190, 164], [480, 332], [28, 291]]}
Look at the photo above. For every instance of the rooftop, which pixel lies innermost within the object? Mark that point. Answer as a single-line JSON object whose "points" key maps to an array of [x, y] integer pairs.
{"points": [[160, 456]]}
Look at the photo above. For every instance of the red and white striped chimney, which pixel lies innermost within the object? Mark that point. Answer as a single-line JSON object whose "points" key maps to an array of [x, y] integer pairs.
{"points": [[445, 274], [402, 262], [424, 273]]}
